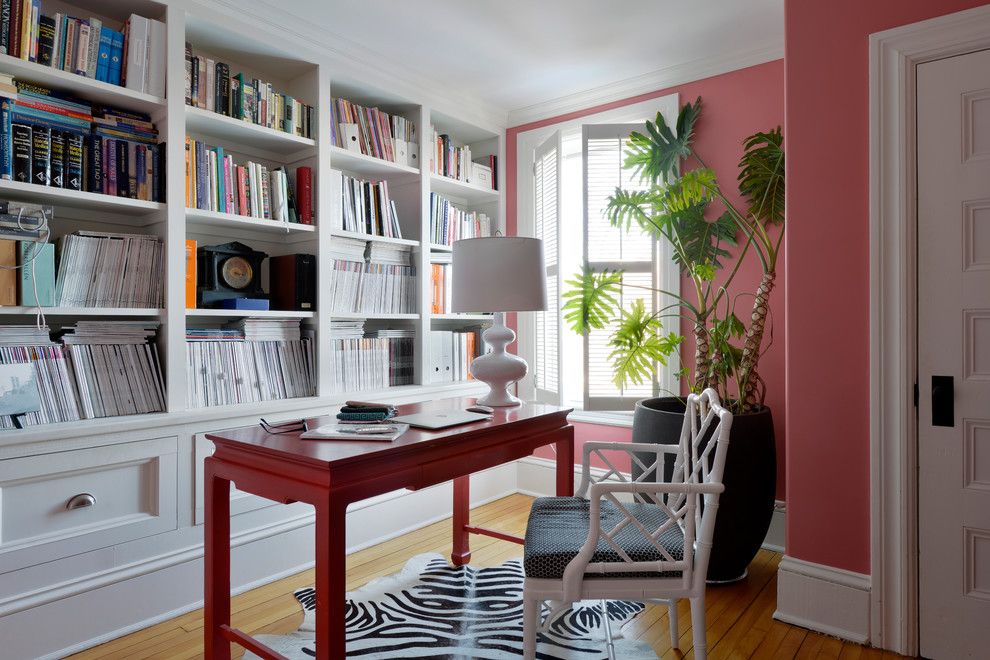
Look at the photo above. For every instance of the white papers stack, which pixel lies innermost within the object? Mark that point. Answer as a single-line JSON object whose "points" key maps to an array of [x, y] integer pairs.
{"points": [[347, 432], [98, 269], [25, 335], [267, 329], [109, 332]]}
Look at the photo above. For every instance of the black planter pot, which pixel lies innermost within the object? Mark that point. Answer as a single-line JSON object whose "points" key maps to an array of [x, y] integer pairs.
{"points": [[746, 506]]}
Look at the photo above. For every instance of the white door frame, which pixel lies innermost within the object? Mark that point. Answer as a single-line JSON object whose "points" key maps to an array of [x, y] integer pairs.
{"points": [[894, 56]]}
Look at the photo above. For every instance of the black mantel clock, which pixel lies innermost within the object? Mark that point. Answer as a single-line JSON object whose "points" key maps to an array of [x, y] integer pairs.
{"points": [[231, 270]]}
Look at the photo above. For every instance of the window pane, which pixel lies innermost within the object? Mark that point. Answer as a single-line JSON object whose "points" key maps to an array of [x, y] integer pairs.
{"points": [[605, 173], [635, 286]]}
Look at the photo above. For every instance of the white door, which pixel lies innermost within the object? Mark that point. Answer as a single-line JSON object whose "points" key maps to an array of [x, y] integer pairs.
{"points": [[954, 356]]}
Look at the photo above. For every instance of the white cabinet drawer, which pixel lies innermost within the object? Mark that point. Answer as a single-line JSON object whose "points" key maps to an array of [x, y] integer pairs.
{"points": [[57, 505]]}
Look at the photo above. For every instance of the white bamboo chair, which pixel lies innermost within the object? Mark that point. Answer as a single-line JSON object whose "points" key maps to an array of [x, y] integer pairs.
{"points": [[596, 546]]}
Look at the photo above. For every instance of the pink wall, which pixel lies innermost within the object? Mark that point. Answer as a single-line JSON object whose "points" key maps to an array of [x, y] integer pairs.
{"points": [[736, 104], [827, 111]]}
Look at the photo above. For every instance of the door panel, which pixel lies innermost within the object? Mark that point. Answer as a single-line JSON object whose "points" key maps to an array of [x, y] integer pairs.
{"points": [[954, 341]]}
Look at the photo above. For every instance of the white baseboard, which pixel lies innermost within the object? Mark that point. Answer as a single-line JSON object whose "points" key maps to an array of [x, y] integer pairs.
{"points": [[830, 600]]}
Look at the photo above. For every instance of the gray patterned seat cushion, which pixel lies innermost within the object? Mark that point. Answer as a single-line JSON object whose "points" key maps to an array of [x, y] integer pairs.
{"points": [[558, 527]]}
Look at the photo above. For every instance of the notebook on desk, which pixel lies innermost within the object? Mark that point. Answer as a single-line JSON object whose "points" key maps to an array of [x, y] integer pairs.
{"points": [[441, 419]]}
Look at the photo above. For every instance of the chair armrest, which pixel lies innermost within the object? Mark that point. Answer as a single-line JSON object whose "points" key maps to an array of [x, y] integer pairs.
{"points": [[630, 448]]}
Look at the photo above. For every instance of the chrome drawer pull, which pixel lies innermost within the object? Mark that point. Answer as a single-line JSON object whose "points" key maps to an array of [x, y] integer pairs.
{"points": [[80, 501]]}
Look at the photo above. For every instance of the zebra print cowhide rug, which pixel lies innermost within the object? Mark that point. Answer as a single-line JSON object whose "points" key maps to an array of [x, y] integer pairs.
{"points": [[433, 610]]}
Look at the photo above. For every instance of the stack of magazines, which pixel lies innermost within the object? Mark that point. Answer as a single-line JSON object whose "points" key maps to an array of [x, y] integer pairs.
{"points": [[367, 361], [249, 361], [97, 269], [385, 283], [101, 369]]}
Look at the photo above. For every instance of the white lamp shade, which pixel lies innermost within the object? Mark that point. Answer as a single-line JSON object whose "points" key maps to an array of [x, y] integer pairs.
{"points": [[499, 274]]}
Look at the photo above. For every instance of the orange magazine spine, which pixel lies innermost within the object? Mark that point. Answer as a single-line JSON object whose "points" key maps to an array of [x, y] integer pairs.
{"points": [[471, 336], [190, 274]]}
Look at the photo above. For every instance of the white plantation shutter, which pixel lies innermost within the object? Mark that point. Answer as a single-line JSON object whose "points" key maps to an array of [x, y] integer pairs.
{"points": [[606, 247], [547, 175]]}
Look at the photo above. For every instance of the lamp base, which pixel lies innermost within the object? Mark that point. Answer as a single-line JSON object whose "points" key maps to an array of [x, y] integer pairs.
{"points": [[498, 369]]}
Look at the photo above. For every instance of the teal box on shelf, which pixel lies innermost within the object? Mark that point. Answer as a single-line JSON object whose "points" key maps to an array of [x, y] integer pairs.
{"points": [[37, 274]]}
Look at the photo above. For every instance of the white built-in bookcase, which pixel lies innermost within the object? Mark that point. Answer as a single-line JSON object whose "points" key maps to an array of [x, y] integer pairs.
{"points": [[309, 77]]}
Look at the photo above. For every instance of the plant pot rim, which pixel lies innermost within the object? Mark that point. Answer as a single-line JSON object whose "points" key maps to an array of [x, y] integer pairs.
{"points": [[676, 405]]}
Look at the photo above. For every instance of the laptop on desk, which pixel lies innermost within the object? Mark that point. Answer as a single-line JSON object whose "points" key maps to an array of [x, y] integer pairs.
{"points": [[434, 421]]}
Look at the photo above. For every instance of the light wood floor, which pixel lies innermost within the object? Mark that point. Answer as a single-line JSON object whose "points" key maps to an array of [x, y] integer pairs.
{"points": [[740, 624]]}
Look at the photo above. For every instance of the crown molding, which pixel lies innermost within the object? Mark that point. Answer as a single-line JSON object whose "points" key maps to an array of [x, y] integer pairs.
{"points": [[677, 74], [359, 62]]}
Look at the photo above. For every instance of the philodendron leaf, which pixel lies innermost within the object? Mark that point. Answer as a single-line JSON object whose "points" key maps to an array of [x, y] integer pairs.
{"points": [[638, 345], [592, 299], [657, 155], [761, 176]]}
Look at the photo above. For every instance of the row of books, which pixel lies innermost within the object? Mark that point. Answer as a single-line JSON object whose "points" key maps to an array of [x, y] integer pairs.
{"points": [[214, 182], [367, 361], [449, 159], [367, 208], [55, 139], [210, 86], [451, 354], [374, 132], [449, 223], [133, 58], [224, 372], [99, 269], [101, 369]]}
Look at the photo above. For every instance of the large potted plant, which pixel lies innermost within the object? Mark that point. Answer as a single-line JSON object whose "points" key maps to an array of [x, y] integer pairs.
{"points": [[686, 205]]}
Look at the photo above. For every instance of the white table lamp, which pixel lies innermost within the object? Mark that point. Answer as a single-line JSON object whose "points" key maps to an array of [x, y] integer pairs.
{"points": [[499, 274]]}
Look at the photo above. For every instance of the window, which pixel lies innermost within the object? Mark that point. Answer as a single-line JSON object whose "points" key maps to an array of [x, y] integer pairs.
{"points": [[574, 168]]}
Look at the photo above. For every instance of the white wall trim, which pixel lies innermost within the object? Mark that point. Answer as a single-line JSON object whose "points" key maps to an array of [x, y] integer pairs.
{"points": [[894, 56], [829, 600], [670, 76]]}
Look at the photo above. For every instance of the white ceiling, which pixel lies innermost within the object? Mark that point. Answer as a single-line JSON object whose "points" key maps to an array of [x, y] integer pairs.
{"points": [[513, 54]]}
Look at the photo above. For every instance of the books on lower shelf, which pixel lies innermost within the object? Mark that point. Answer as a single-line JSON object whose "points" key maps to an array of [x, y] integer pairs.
{"points": [[211, 85], [133, 57], [214, 182], [55, 139], [366, 361], [249, 361], [377, 279], [373, 132], [366, 207], [451, 354], [449, 223], [101, 369], [98, 269]]}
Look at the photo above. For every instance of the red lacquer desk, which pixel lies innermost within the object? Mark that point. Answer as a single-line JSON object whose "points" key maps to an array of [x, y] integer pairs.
{"points": [[331, 474]]}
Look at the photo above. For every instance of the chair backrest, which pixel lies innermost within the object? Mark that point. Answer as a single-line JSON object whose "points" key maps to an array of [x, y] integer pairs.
{"points": [[704, 447]]}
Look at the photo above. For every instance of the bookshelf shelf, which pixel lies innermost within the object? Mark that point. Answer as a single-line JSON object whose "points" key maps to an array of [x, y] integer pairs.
{"points": [[383, 317], [340, 233], [364, 165], [247, 314], [230, 130], [213, 221], [93, 90], [461, 317], [31, 192], [436, 247], [469, 192], [82, 311]]}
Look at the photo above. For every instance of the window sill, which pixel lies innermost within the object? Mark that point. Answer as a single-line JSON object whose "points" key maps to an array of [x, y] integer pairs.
{"points": [[602, 418]]}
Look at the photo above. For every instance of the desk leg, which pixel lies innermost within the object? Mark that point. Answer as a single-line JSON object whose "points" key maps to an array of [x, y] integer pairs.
{"points": [[565, 463], [331, 585], [216, 542], [461, 553]]}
